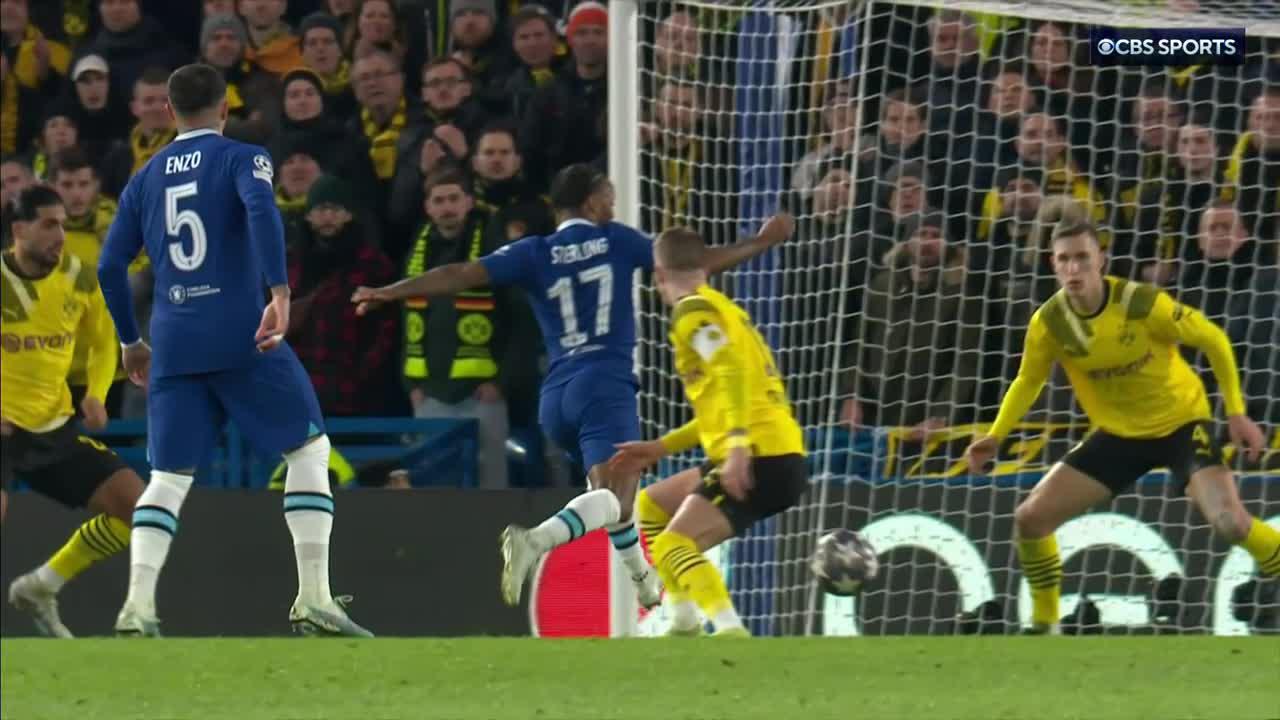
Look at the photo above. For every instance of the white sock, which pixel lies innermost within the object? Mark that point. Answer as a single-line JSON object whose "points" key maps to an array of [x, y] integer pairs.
{"points": [[155, 522], [726, 618], [50, 578], [308, 511], [627, 542], [684, 614], [587, 512]]}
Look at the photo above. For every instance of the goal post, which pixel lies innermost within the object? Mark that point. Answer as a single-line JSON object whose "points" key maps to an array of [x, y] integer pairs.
{"points": [[925, 149]]}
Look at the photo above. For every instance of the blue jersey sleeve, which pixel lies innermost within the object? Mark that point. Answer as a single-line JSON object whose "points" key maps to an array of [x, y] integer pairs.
{"points": [[511, 264], [253, 176], [123, 242], [638, 246]]}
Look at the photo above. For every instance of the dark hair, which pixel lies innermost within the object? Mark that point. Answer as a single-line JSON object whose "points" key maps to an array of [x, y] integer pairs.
{"points": [[196, 88], [447, 175], [573, 185], [680, 249], [154, 75], [70, 160], [26, 207], [532, 11], [442, 60], [499, 126]]}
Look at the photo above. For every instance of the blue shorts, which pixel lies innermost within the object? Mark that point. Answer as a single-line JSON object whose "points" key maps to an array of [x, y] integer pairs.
{"points": [[590, 414], [271, 401]]}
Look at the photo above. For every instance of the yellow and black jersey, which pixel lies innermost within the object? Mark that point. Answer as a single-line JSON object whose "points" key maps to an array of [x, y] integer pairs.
{"points": [[731, 381], [1123, 362], [42, 321]]}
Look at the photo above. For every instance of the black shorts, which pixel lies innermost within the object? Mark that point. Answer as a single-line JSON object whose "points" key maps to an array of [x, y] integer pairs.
{"points": [[777, 484], [1118, 462], [61, 464]]}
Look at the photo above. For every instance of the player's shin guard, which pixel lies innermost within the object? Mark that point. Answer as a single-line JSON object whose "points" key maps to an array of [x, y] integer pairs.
{"points": [[308, 511], [653, 519], [98, 538], [1263, 543], [155, 522], [682, 566], [1042, 566], [587, 512]]}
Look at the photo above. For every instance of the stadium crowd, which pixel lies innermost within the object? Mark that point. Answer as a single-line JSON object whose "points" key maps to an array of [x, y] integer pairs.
{"points": [[407, 134]]}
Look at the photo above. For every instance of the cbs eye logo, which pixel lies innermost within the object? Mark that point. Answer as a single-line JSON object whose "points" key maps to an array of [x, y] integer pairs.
{"points": [[1106, 47]]}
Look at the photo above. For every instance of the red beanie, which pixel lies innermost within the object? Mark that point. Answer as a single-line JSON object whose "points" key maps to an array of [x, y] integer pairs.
{"points": [[587, 13]]}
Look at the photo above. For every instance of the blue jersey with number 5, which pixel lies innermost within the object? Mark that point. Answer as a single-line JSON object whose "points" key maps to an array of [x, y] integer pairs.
{"points": [[204, 209], [580, 281]]}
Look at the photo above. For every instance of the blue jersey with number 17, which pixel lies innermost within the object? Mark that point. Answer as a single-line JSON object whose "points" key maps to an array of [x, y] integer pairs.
{"points": [[580, 282]]}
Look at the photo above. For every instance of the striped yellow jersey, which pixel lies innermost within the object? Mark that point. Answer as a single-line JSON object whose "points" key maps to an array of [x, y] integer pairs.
{"points": [[731, 381], [1123, 362], [42, 321]]}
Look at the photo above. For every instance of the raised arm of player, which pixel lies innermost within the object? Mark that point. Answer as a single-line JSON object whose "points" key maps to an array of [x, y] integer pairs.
{"points": [[1033, 373], [775, 230], [445, 280], [253, 175], [1177, 323], [123, 242]]}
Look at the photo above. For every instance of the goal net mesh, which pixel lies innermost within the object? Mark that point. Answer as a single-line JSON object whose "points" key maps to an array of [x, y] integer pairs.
{"points": [[925, 153]]}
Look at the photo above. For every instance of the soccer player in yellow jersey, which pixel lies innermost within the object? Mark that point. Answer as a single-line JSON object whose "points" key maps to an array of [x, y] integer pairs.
{"points": [[1118, 343], [49, 304], [742, 418]]}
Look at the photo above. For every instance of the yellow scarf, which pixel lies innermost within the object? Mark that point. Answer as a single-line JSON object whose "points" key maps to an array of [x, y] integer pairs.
{"points": [[678, 185], [24, 66], [144, 148], [339, 81], [8, 114], [382, 141], [290, 205], [40, 165]]}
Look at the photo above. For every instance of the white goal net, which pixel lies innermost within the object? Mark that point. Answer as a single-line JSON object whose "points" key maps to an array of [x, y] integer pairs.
{"points": [[924, 151]]}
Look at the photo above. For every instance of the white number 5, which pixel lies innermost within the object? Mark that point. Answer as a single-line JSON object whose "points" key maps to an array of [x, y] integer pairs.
{"points": [[175, 220]]}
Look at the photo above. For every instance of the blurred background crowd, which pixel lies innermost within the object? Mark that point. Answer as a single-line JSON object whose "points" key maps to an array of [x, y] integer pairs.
{"points": [[923, 151]]}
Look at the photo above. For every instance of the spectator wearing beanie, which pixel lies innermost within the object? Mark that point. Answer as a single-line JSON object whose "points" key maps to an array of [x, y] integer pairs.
{"points": [[273, 46], [534, 40], [566, 121], [348, 357], [131, 42], [473, 31], [321, 38], [59, 132], [298, 168], [253, 96]]}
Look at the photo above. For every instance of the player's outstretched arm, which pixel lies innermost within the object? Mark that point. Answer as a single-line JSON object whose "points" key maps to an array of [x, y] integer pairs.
{"points": [[1179, 323], [638, 456], [775, 230], [445, 280], [1033, 372]]}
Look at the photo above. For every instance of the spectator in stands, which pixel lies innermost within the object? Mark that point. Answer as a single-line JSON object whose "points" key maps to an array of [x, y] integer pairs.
{"points": [[454, 350], [1253, 171], [1068, 88], [1021, 195], [320, 36], [344, 11], [375, 28], [839, 132], [253, 94], [1007, 98], [20, 110], [334, 252], [273, 46], [486, 53], [15, 176], [38, 61], [100, 118], [131, 44], [677, 47], [500, 187], [1147, 155], [533, 37], [1223, 265], [687, 174], [89, 213], [917, 358], [901, 194], [384, 112], [442, 134], [59, 132], [565, 122], [153, 131], [953, 73], [298, 171], [1255, 328], [217, 7]]}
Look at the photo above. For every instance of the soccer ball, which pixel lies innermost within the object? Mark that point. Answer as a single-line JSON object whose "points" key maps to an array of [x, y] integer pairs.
{"points": [[843, 561]]}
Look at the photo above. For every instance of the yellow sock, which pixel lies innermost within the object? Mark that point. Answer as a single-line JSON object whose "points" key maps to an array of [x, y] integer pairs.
{"points": [[683, 566], [98, 538], [1263, 543], [652, 520], [1042, 567]]}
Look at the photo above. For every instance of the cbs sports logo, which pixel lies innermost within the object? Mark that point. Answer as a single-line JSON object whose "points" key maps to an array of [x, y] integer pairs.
{"points": [[1166, 46]]}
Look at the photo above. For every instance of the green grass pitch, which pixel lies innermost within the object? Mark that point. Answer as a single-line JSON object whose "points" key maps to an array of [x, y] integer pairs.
{"points": [[650, 679]]}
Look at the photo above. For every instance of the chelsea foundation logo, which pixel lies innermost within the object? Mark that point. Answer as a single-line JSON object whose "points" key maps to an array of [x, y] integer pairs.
{"points": [[177, 294]]}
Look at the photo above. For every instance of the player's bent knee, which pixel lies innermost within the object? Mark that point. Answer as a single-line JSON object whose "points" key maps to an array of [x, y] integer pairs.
{"points": [[1030, 521], [316, 447], [119, 495]]}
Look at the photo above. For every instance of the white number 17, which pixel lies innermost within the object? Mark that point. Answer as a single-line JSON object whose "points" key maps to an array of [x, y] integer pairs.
{"points": [[562, 290]]}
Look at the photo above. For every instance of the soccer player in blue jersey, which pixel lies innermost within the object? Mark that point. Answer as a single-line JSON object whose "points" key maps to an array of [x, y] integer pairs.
{"points": [[579, 281], [204, 210]]}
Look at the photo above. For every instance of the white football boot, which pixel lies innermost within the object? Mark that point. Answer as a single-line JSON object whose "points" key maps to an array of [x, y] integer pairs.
{"points": [[518, 558], [133, 623], [327, 619], [33, 597]]}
